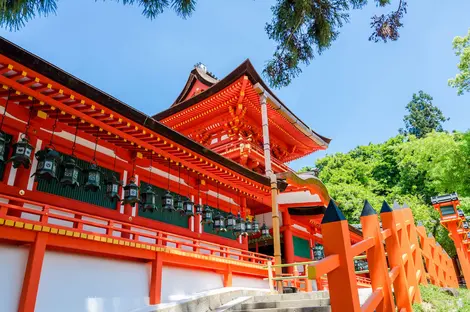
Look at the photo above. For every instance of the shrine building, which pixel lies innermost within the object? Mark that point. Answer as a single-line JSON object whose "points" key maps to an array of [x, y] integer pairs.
{"points": [[105, 208]]}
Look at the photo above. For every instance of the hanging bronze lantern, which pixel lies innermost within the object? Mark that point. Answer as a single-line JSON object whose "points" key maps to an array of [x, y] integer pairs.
{"points": [[199, 209], [93, 179], [148, 199], [3, 146], [249, 227], [188, 206], [178, 205], [255, 225], [131, 191], [112, 188], [231, 221], [48, 162], [219, 223], [207, 215], [239, 227], [71, 172], [265, 232], [167, 202], [22, 151]]}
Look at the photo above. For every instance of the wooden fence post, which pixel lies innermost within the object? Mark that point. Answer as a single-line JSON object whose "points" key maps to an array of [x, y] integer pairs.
{"points": [[395, 258], [376, 259], [416, 250], [342, 280], [404, 232]]}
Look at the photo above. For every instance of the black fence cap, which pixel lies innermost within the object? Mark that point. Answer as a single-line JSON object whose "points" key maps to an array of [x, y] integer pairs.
{"points": [[368, 210], [332, 213]]}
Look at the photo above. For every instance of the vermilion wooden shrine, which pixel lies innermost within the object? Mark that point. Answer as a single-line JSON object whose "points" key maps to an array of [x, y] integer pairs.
{"points": [[216, 150]]}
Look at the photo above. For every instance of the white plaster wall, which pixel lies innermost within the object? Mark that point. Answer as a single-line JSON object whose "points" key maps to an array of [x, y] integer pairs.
{"points": [[178, 283], [13, 261], [251, 282], [79, 283]]}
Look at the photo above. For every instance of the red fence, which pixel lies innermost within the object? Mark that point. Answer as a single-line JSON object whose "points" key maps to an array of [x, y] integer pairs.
{"points": [[395, 253]]}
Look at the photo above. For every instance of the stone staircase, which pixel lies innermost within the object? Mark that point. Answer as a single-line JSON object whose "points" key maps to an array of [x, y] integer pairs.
{"points": [[317, 301]]}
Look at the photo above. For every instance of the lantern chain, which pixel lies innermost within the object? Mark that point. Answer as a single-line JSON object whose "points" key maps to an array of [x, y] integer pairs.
{"points": [[53, 130], [75, 138], [150, 171], [169, 166], [5, 108], [96, 147], [28, 123]]}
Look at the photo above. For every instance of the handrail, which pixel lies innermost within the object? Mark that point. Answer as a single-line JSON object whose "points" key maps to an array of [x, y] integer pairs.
{"points": [[113, 229]]}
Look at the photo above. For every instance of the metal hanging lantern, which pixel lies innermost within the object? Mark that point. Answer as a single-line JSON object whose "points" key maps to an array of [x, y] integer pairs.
{"points": [[93, 179], [112, 188], [468, 235], [461, 214], [249, 226], [167, 202], [255, 225], [239, 227], [219, 223], [22, 151], [231, 221], [199, 209], [48, 163], [93, 174], [4, 141], [198, 206], [149, 199], [48, 160], [465, 224], [207, 215], [71, 169], [265, 232], [188, 204], [71, 172], [131, 191]]}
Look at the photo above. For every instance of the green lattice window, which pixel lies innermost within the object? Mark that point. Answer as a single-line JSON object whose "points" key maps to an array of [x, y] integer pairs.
{"points": [[208, 227], [96, 198], [7, 150], [168, 217], [301, 247]]}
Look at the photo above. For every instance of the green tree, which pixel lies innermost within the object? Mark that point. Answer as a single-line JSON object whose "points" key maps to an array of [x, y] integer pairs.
{"points": [[301, 28], [462, 49], [423, 117], [403, 168]]}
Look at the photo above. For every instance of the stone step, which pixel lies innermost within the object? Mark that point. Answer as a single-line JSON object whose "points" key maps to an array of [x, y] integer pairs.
{"points": [[304, 309], [303, 303], [295, 296]]}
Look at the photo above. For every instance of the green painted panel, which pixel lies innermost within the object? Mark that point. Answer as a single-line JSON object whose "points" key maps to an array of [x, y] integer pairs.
{"points": [[7, 150], [301, 247], [168, 217], [208, 227], [98, 198]]}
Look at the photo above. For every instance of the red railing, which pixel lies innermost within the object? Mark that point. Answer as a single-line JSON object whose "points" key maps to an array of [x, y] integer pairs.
{"points": [[83, 225]]}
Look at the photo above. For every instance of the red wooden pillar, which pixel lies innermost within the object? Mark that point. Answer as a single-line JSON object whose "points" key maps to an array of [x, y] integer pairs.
{"points": [[342, 280], [376, 260], [288, 239], [228, 276], [33, 273], [461, 251], [156, 279]]}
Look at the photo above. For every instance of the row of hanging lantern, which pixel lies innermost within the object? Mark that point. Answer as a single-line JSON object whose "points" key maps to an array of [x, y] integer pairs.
{"points": [[49, 162], [22, 150]]}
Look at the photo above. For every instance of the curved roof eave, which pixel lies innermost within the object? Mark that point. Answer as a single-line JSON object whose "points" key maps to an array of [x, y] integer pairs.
{"points": [[245, 68]]}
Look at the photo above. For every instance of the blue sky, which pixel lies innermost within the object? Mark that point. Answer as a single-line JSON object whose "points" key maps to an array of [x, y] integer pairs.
{"points": [[354, 93]]}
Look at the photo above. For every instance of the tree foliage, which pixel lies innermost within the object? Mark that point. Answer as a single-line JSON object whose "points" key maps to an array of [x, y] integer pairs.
{"points": [[406, 169], [423, 117], [300, 28], [462, 50]]}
